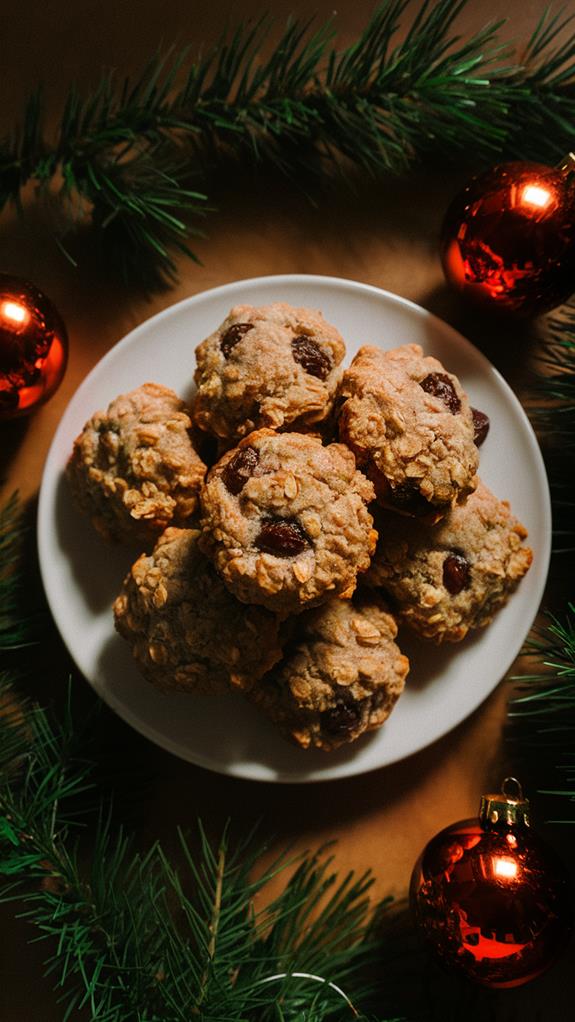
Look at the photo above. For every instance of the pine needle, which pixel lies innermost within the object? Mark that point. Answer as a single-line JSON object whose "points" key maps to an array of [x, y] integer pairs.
{"points": [[552, 411], [135, 156], [133, 936], [543, 710]]}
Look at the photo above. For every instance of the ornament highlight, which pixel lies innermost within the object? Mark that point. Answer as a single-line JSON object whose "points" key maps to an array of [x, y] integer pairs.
{"points": [[490, 897], [33, 347], [508, 239]]}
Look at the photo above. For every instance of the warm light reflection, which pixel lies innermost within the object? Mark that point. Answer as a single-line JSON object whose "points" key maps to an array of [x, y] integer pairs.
{"points": [[535, 195], [15, 312], [505, 868]]}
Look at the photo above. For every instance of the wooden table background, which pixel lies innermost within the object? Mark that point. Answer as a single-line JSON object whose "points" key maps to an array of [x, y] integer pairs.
{"points": [[386, 235]]}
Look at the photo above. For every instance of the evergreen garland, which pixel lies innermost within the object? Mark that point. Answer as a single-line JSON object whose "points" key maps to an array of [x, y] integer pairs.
{"points": [[131, 937], [543, 710], [553, 414], [122, 154]]}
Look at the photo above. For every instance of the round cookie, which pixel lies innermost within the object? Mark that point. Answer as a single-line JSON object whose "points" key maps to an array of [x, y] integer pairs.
{"points": [[410, 425], [285, 520], [133, 469], [186, 631], [445, 579], [342, 677], [274, 365]]}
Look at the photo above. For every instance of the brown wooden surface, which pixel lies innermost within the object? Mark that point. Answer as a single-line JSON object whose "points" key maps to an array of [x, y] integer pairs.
{"points": [[385, 234]]}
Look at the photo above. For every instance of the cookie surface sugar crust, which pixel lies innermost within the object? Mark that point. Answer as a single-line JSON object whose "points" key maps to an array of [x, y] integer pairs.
{"points": [[452, 577], [271, 366], [285, 520], [186, 632], [341, 677], [134, 469], [410, 425]]}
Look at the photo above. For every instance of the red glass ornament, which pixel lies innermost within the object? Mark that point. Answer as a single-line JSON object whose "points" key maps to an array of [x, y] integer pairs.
{"points": [[491, 898], [508, 239], [33, 347]]}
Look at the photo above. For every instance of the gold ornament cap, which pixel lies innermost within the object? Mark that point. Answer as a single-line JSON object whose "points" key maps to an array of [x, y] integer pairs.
{"points": [[566, 166], [509, 807]]}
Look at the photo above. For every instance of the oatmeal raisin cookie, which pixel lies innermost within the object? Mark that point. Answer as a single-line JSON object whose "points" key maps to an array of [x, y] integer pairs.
{"points": [[186, 631], [273, 365], [410, 425], [342, 676], [133, 469], [285, 520]]}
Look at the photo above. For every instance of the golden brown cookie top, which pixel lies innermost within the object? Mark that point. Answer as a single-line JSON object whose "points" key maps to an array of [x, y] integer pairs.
{"points": [[186, 630], [451, 577], [285, 520], [341, 677], [134, 469], [410, 425], [272, 365]]}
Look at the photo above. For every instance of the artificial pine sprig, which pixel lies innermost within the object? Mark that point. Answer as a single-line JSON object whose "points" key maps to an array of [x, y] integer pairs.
{"points": [[552, 411], [134, 157], [543, 711], [132, 936], [554, 404]]}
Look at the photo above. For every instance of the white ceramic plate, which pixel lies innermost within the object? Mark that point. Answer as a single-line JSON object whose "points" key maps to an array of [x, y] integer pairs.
{"points": [[82, 574]]}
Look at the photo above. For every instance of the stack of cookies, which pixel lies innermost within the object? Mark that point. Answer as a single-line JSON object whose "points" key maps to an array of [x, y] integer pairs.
{"points": [[339, 505]]}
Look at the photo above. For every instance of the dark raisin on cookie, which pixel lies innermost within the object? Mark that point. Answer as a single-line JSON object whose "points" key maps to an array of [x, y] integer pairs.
{"points": [[308, 354], [233, 336], [439, 385], [456, 573], [239, 469], [407, 497], [481, 426], [341, 720], [283, 537]]}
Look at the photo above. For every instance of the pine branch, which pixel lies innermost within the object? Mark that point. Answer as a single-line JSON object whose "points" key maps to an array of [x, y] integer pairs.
{"points": [[132, 936], [117, 945], [552, 411], [543, 711], [126, 155]]}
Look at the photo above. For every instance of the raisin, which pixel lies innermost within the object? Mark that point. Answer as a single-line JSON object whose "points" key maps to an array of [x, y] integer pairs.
{"points": [[480, 426], [456, 574], [283, 537], [233, 336], [407, 498], [239, 469], [311, 357], [440, 385], [343, 718]]}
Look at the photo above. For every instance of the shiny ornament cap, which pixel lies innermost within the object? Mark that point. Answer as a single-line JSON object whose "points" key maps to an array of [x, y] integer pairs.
{"points": [[508, 807]]}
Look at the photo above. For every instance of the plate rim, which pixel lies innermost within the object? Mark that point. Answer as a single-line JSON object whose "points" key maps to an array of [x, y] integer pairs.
{"points": [[244, 771]]}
